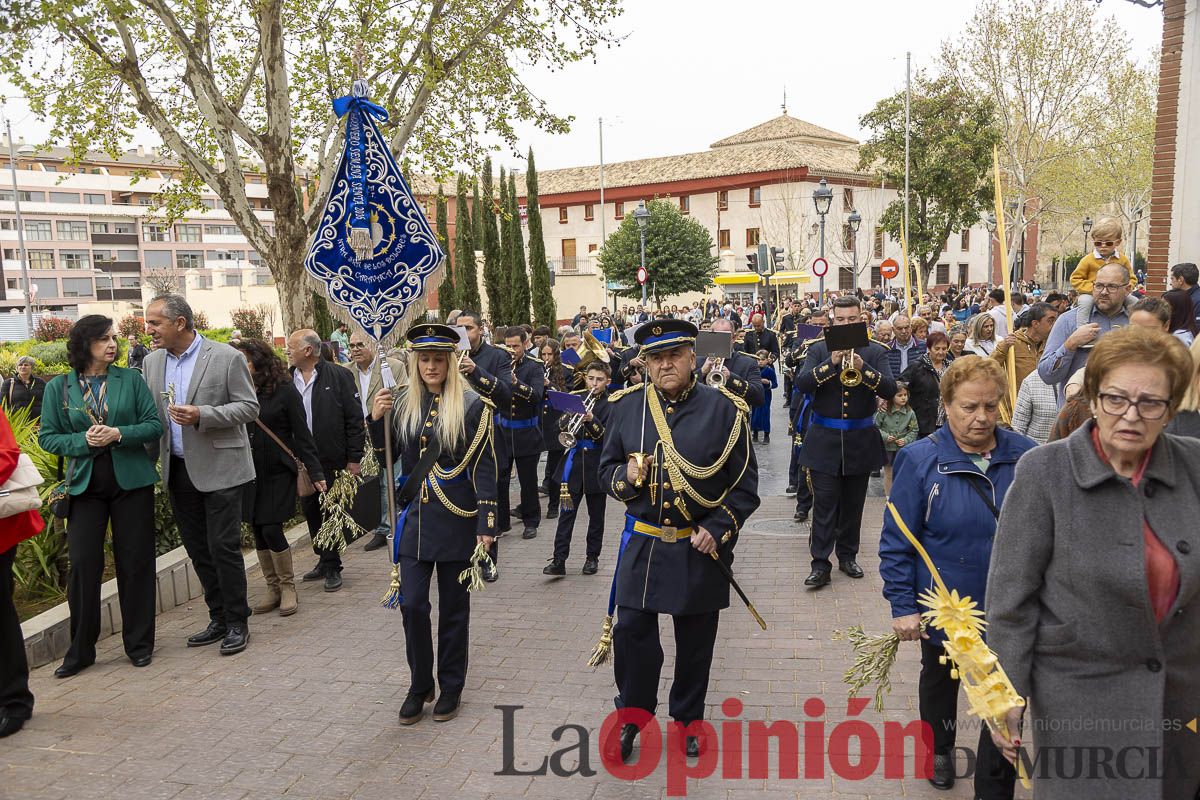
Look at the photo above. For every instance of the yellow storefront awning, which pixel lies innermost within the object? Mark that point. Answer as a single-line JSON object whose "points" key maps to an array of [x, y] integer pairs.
{"points": [[736, 279], [795, 276]]}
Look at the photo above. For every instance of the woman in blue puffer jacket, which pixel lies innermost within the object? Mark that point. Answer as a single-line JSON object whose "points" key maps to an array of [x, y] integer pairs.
{"points": [[948, 488]]}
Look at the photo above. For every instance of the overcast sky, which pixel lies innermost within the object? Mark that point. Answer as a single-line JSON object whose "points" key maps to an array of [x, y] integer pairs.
{"points": [[689, 72]]}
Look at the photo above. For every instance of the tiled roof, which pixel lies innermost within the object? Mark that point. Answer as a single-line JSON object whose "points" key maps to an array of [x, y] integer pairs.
{"points": [[724, 161], [783, 127]]}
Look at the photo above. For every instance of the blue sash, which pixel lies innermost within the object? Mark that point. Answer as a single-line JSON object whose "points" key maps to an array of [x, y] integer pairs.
{"points": [[580, 444], [843, 424], [517, 424]]}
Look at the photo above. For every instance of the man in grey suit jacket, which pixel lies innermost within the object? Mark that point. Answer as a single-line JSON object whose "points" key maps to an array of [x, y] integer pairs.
{"points": [[205, 398]]}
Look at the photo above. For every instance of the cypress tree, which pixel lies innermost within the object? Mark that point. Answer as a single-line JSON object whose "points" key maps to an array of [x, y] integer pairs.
{"points": [[502, 313], [518, 276], [467, 289], [493, 280], [446, 292], [544, 311], [476, 214]]}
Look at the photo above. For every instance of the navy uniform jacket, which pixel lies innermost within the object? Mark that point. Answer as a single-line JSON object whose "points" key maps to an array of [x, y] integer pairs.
{"points": [[800, 412], [585, 466], [845, 452], [490, 376], [519, 421], [754, 341], [432, 530], [675, 578]]}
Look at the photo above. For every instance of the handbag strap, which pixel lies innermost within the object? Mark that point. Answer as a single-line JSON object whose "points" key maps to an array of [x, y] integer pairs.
{"points": [[974, 484], [279, 442]]}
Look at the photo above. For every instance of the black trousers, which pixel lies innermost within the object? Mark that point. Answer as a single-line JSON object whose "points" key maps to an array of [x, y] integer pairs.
{"points": [[552, 481], [937, 692], [595, 530], [328, 560], [16, 700], [530, 509], [270, 537], [210, 524], [804, 495], [837, 516], [638, 659], [131, 514], [454, 616]]}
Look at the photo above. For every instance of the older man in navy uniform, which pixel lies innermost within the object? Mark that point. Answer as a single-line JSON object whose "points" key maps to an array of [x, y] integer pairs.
{"points": [[519, 434], [662, 442], [842, 446]]}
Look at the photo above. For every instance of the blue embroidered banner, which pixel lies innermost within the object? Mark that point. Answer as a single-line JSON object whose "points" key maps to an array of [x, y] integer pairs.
{"points": [[374, 250]]}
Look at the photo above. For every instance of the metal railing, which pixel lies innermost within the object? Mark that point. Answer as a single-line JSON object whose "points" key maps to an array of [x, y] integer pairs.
{"points": [[573, 265]]}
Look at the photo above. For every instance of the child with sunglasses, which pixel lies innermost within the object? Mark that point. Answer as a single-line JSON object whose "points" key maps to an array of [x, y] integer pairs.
{"points": [[1106, 239]]}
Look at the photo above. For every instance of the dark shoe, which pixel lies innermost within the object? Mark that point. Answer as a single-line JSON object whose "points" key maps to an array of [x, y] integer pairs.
{"points": [[817, 578], [447, 707], [504, 530], [754, 437], [491, 573], [629, 733], [10, 725], [235, 640], [590, 566], [70, 670], [693, 747], [141, 661], [544, 490], [555, 567], [315, 574], [790, 491], [851, 568], [530, 532], [333, 581], [414, 707], [943, 772], [801, 516], [214, 633], [552, 511], [766, 438], [378, 540]]}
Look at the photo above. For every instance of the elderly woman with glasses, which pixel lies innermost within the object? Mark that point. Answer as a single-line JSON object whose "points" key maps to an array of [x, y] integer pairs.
{"points": [[1094, 580]]}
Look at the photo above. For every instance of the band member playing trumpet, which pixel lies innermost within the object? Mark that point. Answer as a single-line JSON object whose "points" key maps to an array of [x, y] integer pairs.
{"points": [[740, 372], [555, 377], [454, 509], [580, 470], [677, 453], [842, 446]]}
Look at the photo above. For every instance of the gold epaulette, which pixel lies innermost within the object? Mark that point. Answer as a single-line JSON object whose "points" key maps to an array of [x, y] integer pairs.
{"points": [[741, 404], [617, 395]]}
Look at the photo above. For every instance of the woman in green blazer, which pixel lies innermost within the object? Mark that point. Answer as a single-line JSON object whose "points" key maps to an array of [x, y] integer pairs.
{"points": [[100, 418]]}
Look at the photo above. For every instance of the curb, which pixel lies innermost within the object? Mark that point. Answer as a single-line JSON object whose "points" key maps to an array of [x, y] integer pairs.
{"points": [[48, 635]]}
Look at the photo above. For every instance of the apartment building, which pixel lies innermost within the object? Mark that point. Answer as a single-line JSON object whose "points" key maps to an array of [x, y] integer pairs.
{"points": [[93, 243], [751, 187]]}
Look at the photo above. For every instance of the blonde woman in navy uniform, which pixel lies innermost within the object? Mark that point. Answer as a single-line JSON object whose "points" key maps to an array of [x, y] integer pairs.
{"points": [[454, 510], [689, 480]]}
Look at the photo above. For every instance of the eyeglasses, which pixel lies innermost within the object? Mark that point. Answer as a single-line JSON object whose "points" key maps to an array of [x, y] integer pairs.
{"points": [[357, 345], [1109, 243], [1148, 407], [1107, 287]]}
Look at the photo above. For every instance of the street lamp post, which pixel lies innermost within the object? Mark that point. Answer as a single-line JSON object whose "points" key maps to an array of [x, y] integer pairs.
{"points": [[1137, 217], [822, 200], [855, 222], [1087, 229], [12, 163], [642, 215]]}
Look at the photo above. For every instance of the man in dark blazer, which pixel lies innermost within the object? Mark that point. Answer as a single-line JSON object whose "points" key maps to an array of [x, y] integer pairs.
{"points": [[205, 399], [760, 337], [330, 396], [743, 376], [842, 446]]}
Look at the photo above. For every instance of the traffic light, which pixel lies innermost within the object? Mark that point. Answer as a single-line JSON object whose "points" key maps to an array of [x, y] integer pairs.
{"points": [[777, 262], [752, 262]]}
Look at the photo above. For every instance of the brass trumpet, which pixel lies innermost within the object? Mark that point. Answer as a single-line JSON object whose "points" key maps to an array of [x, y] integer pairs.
{"points": [[569, 437], [849, 376], [716, 378]]}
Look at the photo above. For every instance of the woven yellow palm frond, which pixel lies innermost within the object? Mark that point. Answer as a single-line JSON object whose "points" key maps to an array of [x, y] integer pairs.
{"points": [[990, 694]]}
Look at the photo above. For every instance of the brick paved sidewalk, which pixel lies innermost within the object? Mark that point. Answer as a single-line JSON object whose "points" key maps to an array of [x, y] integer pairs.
{"points": [[309, 710]]}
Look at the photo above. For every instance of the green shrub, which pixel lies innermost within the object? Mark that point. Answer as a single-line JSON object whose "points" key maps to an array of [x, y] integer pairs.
{"points": [[216, 334], [49, 329], [8, 363], [50, 353]]}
